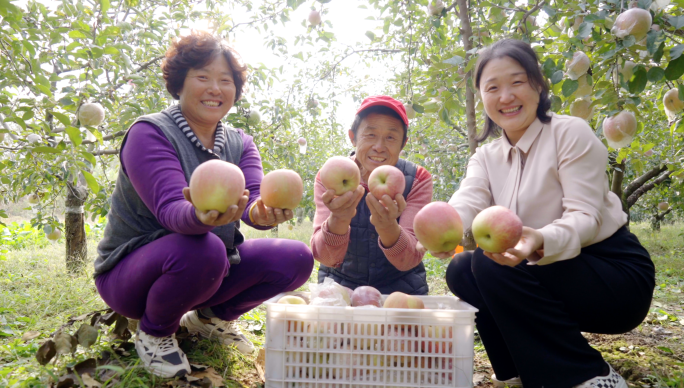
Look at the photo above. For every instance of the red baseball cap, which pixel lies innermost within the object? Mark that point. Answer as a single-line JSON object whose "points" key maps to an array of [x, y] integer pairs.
{"points": [[385, 101]]}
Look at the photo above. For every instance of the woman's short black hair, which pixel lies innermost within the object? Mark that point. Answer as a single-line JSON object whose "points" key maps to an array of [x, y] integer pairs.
{"points": [[381, 110], [522, 53]]}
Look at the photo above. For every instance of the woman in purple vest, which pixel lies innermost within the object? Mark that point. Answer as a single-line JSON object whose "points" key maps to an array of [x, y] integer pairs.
{"points": [[166, 263]]}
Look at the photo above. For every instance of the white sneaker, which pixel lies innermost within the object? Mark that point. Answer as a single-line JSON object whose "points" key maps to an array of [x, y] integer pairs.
{"points": [[613, 380], [161, 355], [227, 332], [514, 382]]}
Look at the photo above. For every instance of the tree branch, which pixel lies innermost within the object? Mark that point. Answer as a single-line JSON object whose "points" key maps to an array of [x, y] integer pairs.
{"points": [[139, 69], [632, 199], [106, 152], [528, 13], [640, 181]]}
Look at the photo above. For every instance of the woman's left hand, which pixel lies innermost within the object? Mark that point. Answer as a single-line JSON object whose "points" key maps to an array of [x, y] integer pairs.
{"points": [[530, 241], [213, 217], [268, 216]]}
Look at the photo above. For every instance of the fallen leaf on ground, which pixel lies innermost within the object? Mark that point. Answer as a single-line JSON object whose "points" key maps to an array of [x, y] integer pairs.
{"points": [[46, 351], [29, 335], [478, 378], [211, 374], [90, 382], [86, 335], [80, 317], [260, 365]]}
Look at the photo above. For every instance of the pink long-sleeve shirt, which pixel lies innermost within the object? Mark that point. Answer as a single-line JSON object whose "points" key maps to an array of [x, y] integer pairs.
{"points": [[329, 248]]}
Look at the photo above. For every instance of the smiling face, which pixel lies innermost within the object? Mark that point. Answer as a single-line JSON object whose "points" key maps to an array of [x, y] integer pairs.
{"points": [[208, 93], [509, 98], [378, 142]]}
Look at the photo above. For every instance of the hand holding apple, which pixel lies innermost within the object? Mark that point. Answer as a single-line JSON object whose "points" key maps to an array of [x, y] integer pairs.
{"points": [[213, 217], [531, 241], [496, 228], [342, 208], [440, 255], [269, 216], [385, 211]]}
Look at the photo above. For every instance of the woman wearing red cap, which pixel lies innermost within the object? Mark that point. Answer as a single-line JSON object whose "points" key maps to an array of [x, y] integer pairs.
{"points": [[362, 240]]}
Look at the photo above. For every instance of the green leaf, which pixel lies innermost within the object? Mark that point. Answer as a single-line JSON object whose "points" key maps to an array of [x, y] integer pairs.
{"points": [[45, 89], [455, 60], [8, 10], [89, 157], [46, 150], [676, 21], [66, 101], [658, 55], [676, 51], [655, 74], [62, 118], [418, 108], [549, 10], [444, 115], [584, 30], [90, 180], [638, 82], [675, 69], [681, 92], [111, 50], [74, 135], [76, 34], [104, 4], [549, 67], [665, 349], [569, 87], [557, 77], [370, 35]]}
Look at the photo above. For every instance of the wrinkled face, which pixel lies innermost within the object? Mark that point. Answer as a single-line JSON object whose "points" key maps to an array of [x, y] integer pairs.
{"points": [[378, 142], [509, 98], [208, 93]]}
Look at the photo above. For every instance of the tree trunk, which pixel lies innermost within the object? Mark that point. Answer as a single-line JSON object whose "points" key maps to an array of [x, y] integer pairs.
{"points": [[466, 33], [74, 224], [616, 186]]}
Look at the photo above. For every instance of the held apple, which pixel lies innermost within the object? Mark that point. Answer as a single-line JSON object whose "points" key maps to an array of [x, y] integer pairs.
{"points": [[366, 296], [340, 174], [438, 227], [497, 229], [282, 189], [216, 185], [386, 180]]}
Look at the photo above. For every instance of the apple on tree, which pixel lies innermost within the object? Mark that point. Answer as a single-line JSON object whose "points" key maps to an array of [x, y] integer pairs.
{"points": [[582, 108], [438, 227], [340, 174], [253, 118], [386, 180], [663, 206], [620, 129], [33, 199], [314, 18], [578, 65], [216, 185], [91, 114], [52, 233], [634, 21], [496, 229], [672, 102], [410, 112], [435, 7], [282, 189]]}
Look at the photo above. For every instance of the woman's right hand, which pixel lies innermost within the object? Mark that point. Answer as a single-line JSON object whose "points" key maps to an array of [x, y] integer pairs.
{"points": [[213, 217]]}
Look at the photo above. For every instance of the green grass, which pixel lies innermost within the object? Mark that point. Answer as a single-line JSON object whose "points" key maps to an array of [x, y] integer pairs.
{"points": [[37, 294]]}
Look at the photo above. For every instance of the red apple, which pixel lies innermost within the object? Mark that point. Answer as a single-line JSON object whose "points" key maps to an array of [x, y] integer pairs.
{"points": [[399, 300], [216, 185], [496, 229], [366, 296], [282, 189], [438, 227], [340, 174], [386, 180]]}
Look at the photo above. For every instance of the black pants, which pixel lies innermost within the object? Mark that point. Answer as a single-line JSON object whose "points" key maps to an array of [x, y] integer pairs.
{"points": [[531, 317]]}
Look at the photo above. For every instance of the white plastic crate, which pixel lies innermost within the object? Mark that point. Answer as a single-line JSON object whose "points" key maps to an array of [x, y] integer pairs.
{"points": [[341, 347]]}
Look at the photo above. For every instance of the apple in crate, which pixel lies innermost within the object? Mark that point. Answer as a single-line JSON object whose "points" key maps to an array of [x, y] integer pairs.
{"points": [[291, 299], [444, 333], [366, 296], [399, 300]]}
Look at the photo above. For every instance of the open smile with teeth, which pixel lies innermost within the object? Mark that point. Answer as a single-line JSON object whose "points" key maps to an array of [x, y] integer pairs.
{"points": [[212, 103], [511, 110], [376, 159]]}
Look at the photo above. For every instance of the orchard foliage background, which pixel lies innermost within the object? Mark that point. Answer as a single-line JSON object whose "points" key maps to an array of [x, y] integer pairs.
{"points": [[57, 55]]}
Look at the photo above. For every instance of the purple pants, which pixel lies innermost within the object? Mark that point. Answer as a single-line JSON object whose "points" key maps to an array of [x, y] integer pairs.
{"points": [[159, 282]]}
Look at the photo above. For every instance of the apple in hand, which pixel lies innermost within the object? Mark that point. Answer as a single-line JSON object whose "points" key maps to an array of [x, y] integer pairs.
{"points": [[216, 185], [340, 174], [386, 180], [282, 189], [497, 229], [438, 227], [366, 296]]}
